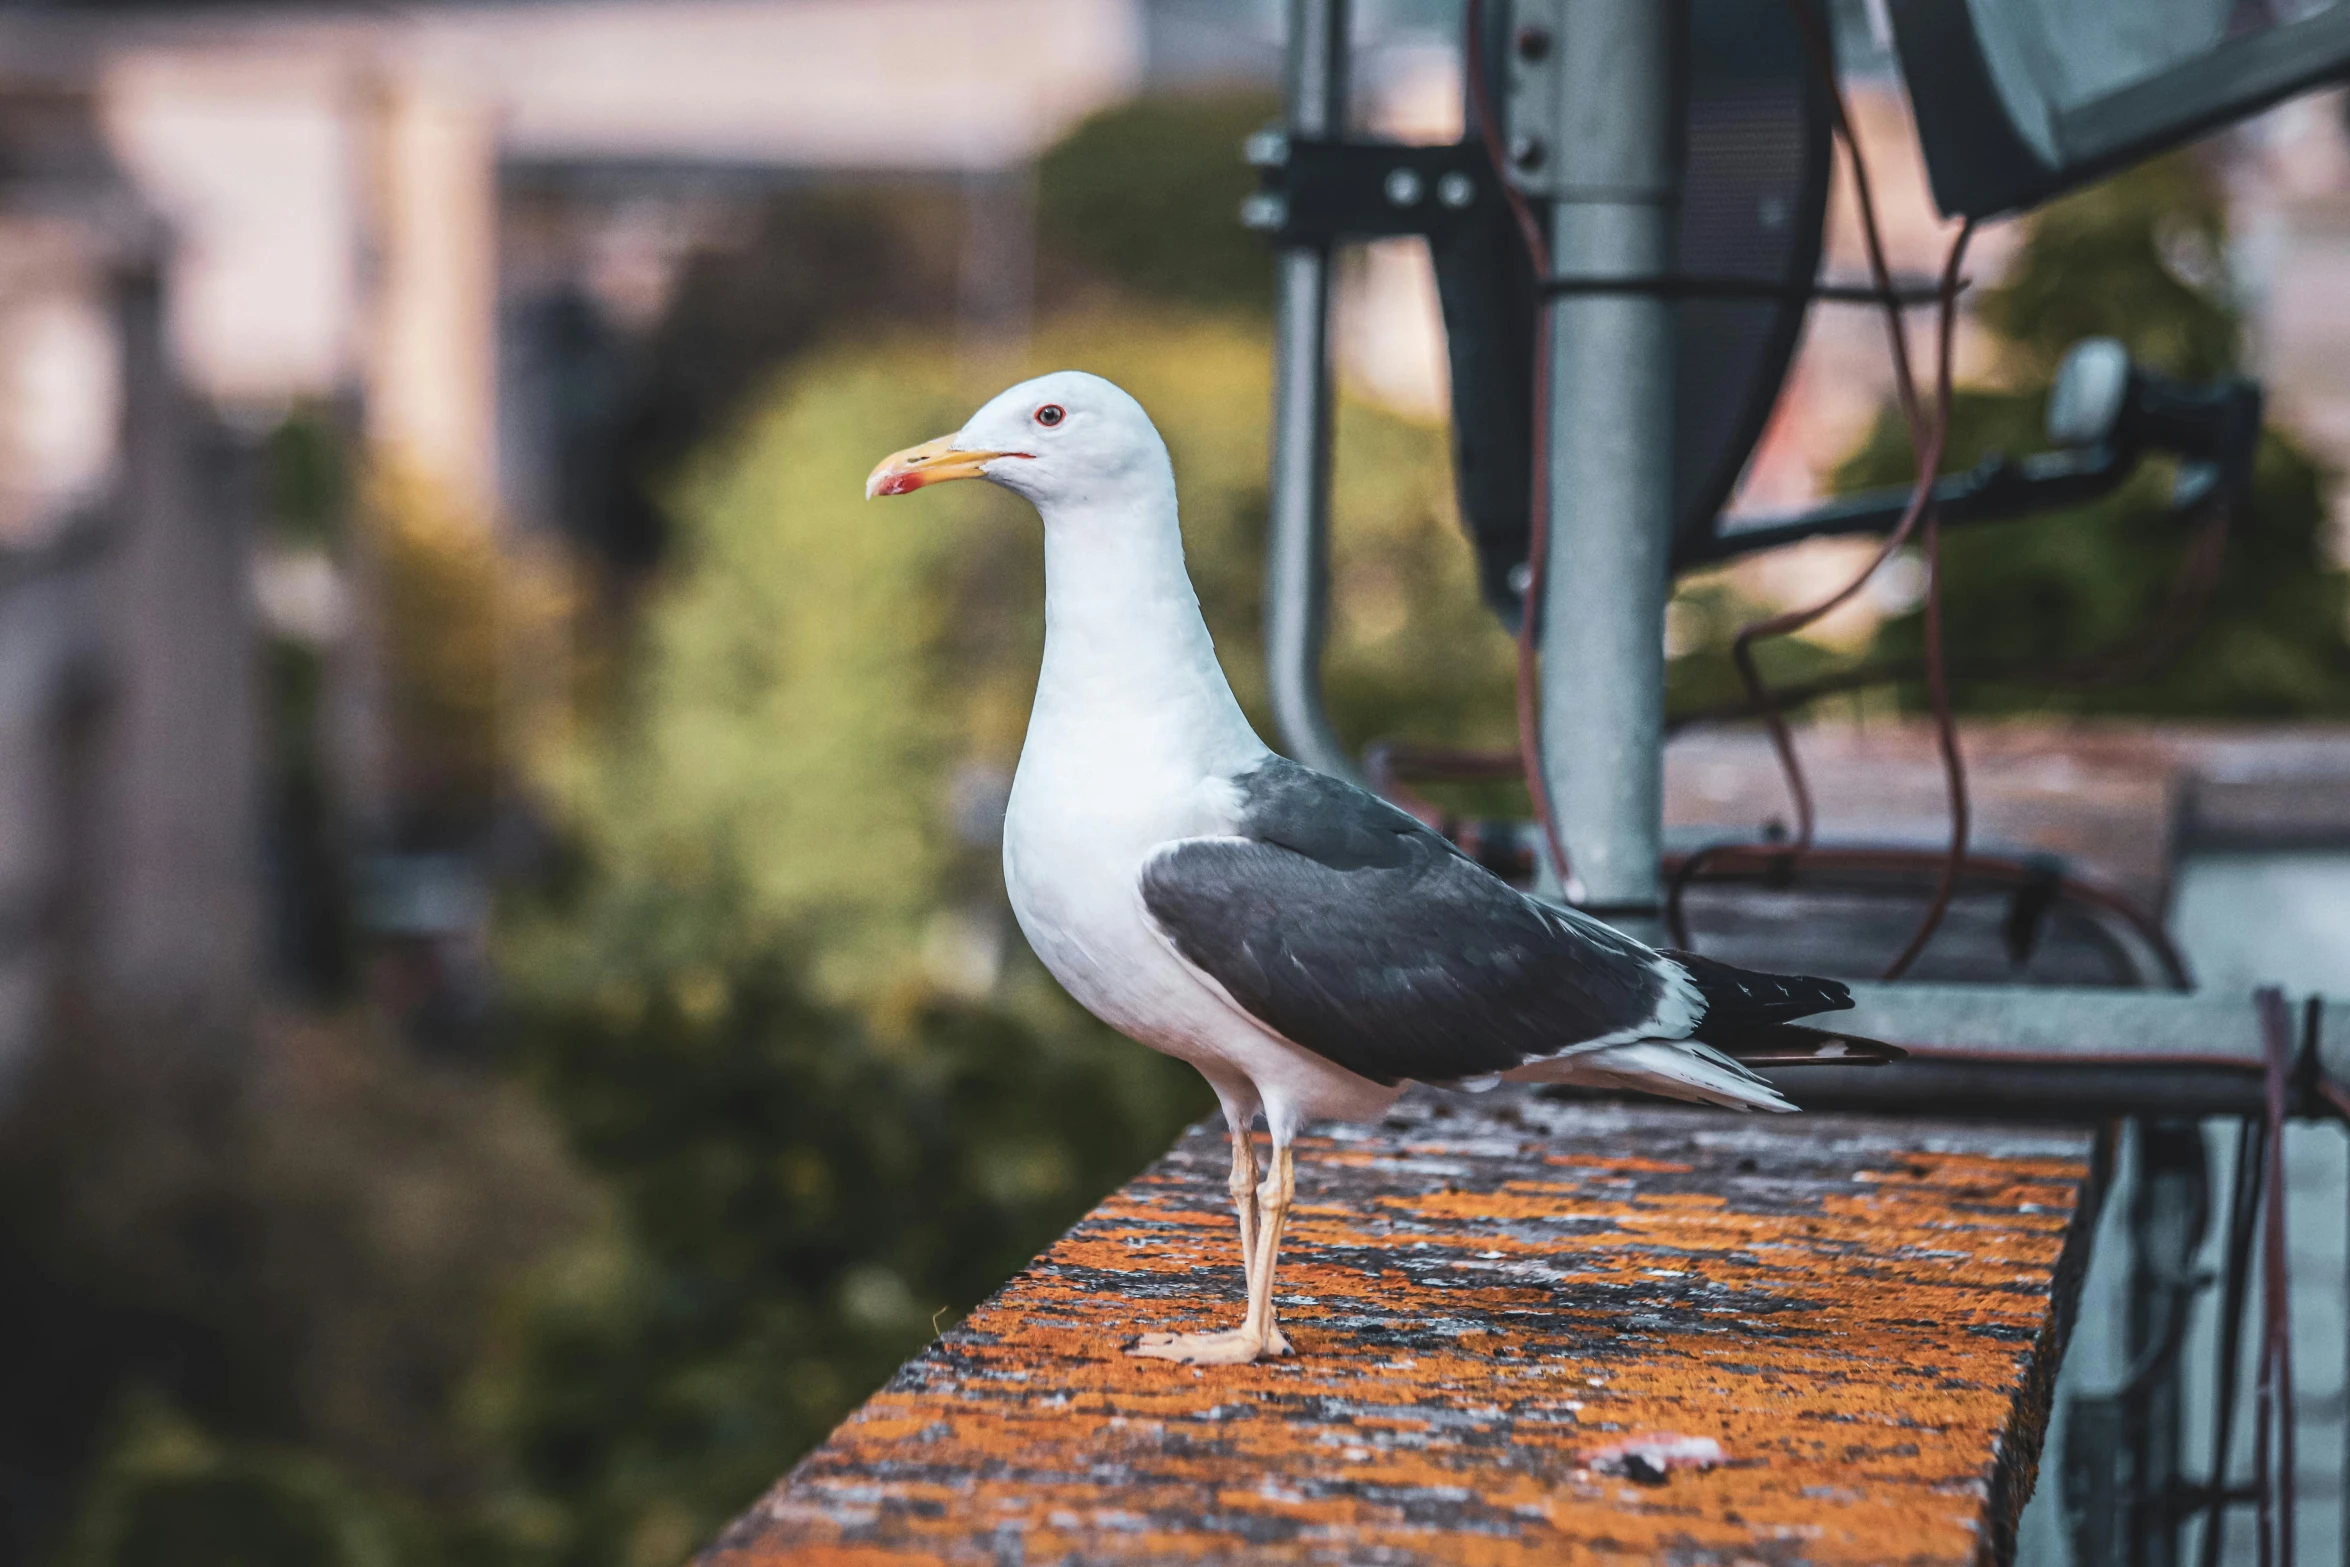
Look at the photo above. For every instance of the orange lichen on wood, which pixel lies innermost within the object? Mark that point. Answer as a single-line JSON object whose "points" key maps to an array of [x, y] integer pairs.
{"points": [[1864, 1315]]}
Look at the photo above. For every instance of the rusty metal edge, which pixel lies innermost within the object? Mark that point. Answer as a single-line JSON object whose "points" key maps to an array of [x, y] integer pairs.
{"points": [[2016, 1470]]}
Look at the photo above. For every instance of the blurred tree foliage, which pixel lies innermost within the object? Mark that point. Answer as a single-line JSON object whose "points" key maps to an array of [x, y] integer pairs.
{"points": [[1141, 201], [804, 1195], [1147, 195], [467, 625], [818, 265], [246, 1285], [2138, 258]]}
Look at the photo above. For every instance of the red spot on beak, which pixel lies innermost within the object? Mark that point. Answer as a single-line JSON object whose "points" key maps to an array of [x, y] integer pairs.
{"points": [[933, 462]]}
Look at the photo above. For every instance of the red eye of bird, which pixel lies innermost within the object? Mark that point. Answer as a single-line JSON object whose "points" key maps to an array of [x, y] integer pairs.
{"points": [[1051, 414]]}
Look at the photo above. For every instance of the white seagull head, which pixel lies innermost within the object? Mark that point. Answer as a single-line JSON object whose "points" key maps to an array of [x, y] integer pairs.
{"points": [[1067, 437]]}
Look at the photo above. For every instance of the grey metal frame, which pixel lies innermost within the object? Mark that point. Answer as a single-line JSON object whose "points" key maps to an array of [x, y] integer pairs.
{"points": [[1298, 492]]}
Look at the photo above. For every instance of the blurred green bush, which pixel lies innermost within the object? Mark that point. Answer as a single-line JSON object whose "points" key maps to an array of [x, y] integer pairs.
{"points": [[1147, 195], [247, 1285], [2140, 258], [804, 1196]]}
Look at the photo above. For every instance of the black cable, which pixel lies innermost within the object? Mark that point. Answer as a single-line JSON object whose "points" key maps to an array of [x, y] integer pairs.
{"points": [[2243, 1214], [1903, 296]]}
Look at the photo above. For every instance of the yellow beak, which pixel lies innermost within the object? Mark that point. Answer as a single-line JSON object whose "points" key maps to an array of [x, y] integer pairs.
{"points": [[933, 462]]}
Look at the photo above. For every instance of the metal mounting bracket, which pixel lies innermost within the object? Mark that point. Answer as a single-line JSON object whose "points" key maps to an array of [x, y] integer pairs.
{"points": [[1315, 192]]}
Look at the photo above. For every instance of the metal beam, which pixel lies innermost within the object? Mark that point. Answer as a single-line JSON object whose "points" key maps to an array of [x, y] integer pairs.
{"points": [[2065, 1053]]}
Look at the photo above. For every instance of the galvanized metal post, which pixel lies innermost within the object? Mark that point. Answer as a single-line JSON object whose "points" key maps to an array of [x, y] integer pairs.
{"points": [[1612, 177], [1298, 527]]}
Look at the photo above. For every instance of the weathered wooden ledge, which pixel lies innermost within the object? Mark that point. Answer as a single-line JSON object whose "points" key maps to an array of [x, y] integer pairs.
{"points": [[1866, 1315]]}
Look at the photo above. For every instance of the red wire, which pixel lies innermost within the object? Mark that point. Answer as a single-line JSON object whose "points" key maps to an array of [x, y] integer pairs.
{"points": [[1823, 62], [1929, 438], [1929, 454], [1937, 674], [2134, 656], [2273, 1392], [1752, 859]]}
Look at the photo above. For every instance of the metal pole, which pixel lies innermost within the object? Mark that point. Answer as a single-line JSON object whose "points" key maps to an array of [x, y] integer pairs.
{"points": [[1298, 528], [1614, 152]]}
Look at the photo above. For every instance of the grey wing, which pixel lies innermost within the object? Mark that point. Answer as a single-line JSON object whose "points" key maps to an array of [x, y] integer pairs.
{"points": [[1353, 931]]}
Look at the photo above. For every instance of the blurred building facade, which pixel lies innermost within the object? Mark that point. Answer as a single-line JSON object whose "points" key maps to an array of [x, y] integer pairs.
{"points": [[128, 864], [335, 177]]}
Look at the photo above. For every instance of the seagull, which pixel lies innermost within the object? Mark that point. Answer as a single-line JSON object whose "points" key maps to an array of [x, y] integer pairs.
{"points": [[1309, 948]]}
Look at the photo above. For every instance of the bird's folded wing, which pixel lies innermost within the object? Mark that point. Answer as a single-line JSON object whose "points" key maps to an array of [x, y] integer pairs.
{"points": [[1394, 956]]}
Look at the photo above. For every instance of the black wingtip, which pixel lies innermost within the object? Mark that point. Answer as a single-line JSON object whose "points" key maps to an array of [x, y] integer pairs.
{"points": [[1738, 999]]}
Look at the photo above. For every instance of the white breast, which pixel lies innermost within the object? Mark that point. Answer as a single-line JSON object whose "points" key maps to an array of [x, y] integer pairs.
{"points": [[1074, 846]]}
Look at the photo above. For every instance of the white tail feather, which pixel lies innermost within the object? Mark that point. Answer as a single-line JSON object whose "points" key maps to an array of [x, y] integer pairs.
{"points": [[1677, 1069]]}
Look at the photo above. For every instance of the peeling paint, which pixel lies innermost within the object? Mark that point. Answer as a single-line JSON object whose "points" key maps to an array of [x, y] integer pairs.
{"points": [[1863, 1314]]}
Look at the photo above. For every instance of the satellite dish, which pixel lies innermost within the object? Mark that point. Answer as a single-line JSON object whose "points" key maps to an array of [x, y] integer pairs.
{"points": [[2018, 100], [1756, 139]]}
